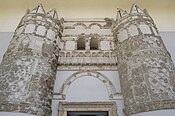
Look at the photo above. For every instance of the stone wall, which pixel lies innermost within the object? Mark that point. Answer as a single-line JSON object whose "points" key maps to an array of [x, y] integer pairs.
{"points": [[28, 69], [145, 67], [29, 66]]}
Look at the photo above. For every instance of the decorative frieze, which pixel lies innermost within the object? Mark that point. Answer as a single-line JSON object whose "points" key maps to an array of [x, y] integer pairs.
{"points": [[29, 66]]}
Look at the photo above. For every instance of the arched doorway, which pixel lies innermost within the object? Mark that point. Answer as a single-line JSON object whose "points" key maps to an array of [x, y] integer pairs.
{"points": [[87, 108], [108, 84]]}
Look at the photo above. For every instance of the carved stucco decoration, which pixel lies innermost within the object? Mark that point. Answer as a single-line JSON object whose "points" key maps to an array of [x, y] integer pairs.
{"points": [[108, 84], [95, 24], [107, 24], [79, 24], [110, 67], [28, 69], [146, 71], [87, 60], [29, 66]]}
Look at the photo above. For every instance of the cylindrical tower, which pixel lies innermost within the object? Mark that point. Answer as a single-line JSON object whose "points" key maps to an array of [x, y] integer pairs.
{"points": [[145, 67], [28, 69]]}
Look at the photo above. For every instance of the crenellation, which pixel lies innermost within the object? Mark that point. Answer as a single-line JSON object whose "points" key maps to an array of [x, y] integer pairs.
{"points": [[30, 66], [144, 65], [48, 56]]}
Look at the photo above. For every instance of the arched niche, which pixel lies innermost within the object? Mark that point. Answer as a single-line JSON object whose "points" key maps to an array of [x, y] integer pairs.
{"points": [[95, 24], [108, 84], [80, 25], [81, 44], [94, 43]]}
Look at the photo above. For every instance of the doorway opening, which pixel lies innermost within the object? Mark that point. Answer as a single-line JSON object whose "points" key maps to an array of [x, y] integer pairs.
{"points": [[74, 113]]}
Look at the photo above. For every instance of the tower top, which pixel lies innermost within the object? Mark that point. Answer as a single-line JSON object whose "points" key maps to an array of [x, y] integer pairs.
{"points": [[38, 9], [121, 13], [52, 13], [135, 9]]}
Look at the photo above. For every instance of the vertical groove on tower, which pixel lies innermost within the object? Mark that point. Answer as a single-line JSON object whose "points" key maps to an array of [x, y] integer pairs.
{"points": [[145, 66], [28, 69]]}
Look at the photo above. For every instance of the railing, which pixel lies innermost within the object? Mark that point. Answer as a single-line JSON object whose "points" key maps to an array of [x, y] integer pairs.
{"points": [[87, 60]]}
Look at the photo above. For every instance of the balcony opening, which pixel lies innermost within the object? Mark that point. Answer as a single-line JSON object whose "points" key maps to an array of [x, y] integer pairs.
{"points": [[94, 44], [81, 44]]}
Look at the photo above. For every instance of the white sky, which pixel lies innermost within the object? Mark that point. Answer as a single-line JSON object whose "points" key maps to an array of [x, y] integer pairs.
{"points": [[162, 11]]}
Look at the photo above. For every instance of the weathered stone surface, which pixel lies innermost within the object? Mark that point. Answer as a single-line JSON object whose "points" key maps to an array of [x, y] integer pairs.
{"points": [[28, 69], [145, 67]]}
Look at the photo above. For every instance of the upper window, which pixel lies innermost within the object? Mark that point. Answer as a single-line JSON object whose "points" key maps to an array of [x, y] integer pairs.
{"points": [[81, 44], [93, 44]]}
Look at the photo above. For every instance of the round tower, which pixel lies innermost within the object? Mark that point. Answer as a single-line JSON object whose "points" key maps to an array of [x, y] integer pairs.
{"points": [[28, 69], [145, 67]]}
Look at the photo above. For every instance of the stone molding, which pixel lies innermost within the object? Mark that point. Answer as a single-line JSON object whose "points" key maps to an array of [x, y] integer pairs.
{"points": [[28, 69], [108, 84], [110, 107], [102, 67]]}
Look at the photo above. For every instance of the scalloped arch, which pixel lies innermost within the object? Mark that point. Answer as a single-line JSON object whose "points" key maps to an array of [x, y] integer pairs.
{"points": [[80, 24], [95, 24]]}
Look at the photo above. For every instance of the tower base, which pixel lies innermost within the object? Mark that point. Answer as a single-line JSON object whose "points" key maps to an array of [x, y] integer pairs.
{"points": [[168, 112]]}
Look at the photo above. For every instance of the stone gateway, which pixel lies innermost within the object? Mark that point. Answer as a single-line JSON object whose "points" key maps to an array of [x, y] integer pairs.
{"points": [[87, 67]]}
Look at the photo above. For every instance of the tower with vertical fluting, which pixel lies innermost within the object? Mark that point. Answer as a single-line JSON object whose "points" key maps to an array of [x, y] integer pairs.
{"points": [[28, 69], [145, 67]]}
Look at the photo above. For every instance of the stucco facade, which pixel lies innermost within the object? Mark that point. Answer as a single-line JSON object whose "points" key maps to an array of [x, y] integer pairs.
{"points": [[54, 66]]}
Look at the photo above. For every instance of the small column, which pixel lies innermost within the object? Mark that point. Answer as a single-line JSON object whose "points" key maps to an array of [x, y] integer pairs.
{"points": [[87, 43]]}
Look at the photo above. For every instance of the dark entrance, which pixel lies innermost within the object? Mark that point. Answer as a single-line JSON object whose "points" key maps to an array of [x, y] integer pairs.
{"points": [[87, 113]]}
